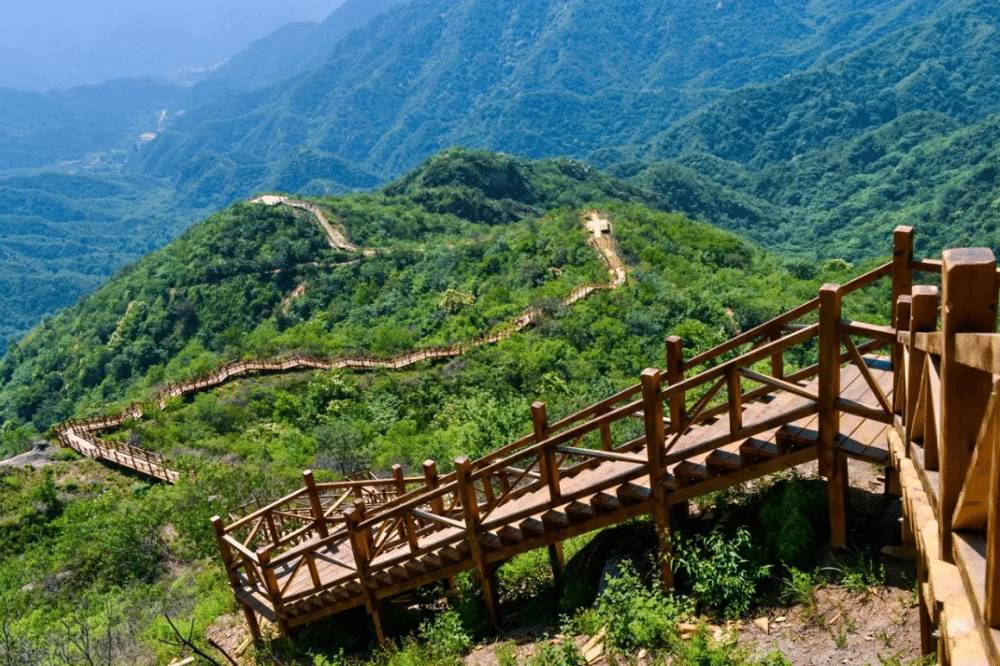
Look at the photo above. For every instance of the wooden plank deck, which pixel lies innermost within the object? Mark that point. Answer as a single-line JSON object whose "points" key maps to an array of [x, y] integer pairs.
{"points": [[596, 495]]}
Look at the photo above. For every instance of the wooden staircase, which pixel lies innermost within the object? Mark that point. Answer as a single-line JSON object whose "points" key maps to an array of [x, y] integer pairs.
{"points": [[748, 418], [929, 409]]}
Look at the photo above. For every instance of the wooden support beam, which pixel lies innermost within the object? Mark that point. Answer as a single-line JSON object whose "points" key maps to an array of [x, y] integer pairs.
{"points": [[470, 509], [273, 590], [829, 374], [675, 374], [778, 360], [655, 448], [992, 610], [902, 273], [549, 464], [734, 390], [431, 481], [833, 466], [837, 486], [901, 316], [361, 546], [970, 306], [319, 520], [923, 319]]}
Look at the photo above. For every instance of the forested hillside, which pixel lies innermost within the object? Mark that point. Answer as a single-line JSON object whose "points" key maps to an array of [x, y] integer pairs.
{"points": [[458, 247], [454, 249], [755, 116]]}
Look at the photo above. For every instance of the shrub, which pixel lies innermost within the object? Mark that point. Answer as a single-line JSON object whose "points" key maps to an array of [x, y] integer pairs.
{"points": [[446, 635], [721, 573], [637, 617], [566, 654]]}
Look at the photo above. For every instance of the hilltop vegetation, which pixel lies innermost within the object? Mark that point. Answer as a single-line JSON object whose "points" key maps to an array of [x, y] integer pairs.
{"points": [[457, 248]]}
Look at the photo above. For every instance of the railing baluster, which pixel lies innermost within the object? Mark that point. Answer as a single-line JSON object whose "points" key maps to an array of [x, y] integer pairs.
{"points": [[832, 465], [549, 466], [970, 306], [675, 374]]}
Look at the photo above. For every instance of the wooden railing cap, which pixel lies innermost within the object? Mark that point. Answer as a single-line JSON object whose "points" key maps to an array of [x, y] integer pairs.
{"points": [[968, 256], [924, 290]]}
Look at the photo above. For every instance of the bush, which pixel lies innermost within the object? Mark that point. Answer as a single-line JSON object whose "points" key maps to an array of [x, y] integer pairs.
{"points": [[446, 635], [637, 617], [566, 654], [721, 573]]}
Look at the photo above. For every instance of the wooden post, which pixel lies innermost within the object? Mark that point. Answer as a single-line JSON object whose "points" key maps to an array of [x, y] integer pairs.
{"points": [[550, 474], [829, 416], [431, 481], [923, 319], [652, 409], [902, 274], [901, 315], [470, 509], [992, 610], [778, 359], [549, 467], [407, 528], [675, 374], [361, 546], [968, 277], [234, 581], [272, 589], [319, 520], [735, 393]]}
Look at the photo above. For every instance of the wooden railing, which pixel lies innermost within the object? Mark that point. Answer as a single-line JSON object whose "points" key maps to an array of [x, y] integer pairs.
{"points": [[478, 499], [946, 450]]}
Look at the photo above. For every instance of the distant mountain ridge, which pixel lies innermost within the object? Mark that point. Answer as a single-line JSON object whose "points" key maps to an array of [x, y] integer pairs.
{"points": [[537, 79]]}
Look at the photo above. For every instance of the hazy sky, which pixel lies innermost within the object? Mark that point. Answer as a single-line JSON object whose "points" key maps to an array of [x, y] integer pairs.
{"points": [[56, 43]]}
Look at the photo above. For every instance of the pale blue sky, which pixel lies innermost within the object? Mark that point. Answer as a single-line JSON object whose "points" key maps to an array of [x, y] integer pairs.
{"points": [[57, 43]]}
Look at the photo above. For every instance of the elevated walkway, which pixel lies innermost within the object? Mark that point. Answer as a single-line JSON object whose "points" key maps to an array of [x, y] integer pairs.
{"points": [[921, 401]]}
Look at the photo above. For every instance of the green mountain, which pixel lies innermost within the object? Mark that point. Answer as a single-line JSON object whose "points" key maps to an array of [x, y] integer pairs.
{"points": [[501, 232], [549, 78], [296, 47]]}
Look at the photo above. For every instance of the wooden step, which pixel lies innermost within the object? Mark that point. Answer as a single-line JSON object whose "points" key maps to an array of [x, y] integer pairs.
{"points": [[605, 503], [354, 588], [792, 437], [509, 534], [432, 561], [688, 473], [399, 573], [631, 493], [579, 512], [490, 540], [554, 520], [451, 554], [721, 462], [415, 568], [532, 527], [757, 450]]}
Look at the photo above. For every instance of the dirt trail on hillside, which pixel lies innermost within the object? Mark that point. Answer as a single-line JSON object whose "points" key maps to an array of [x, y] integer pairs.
{"points": [[334, 237]]}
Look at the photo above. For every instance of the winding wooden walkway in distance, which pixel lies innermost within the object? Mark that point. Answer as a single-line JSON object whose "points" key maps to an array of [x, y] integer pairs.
{"points": [[81, 434]]}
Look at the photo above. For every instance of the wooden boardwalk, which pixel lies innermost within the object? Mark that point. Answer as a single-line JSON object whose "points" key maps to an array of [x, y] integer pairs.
{"points": [[638, 452], [320, 575], [922, 401]]}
